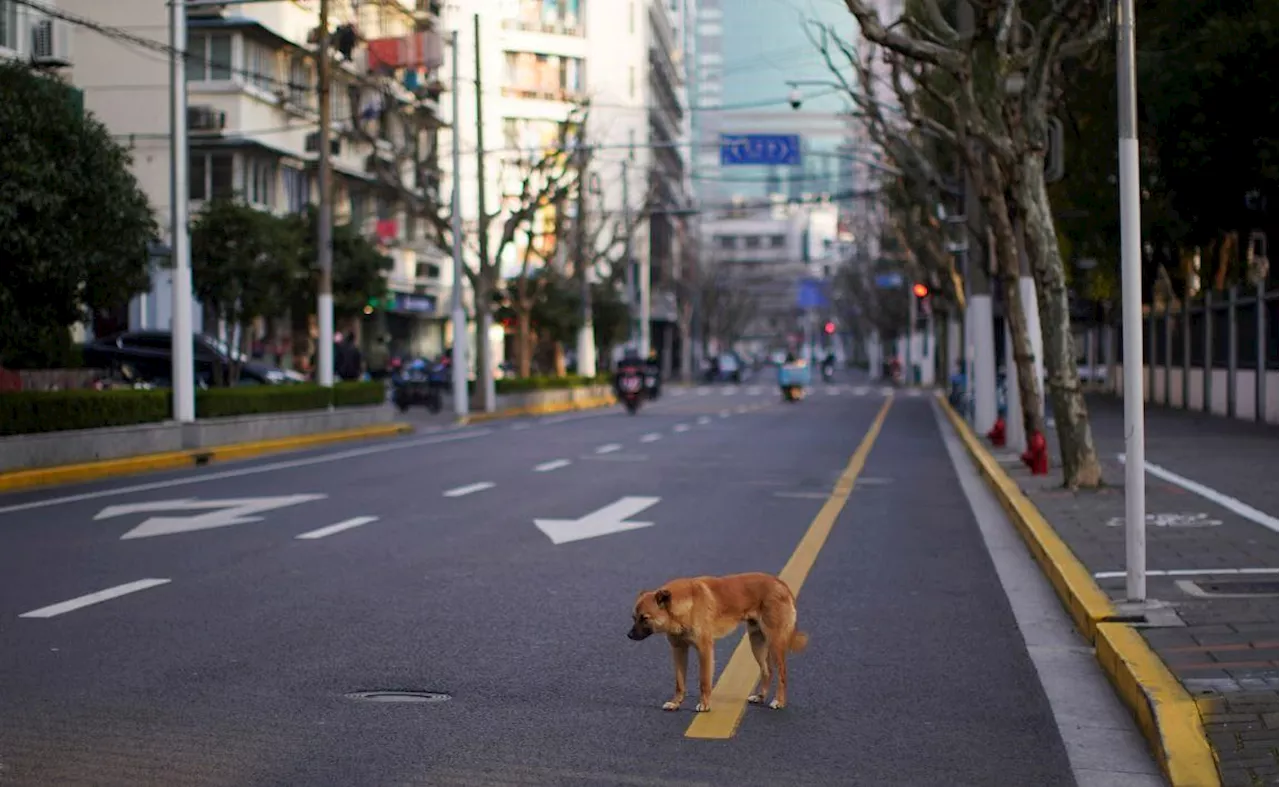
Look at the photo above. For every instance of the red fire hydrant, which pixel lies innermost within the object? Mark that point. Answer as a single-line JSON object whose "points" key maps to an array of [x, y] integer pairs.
{"points": [[996, 435], [1036, 456]]}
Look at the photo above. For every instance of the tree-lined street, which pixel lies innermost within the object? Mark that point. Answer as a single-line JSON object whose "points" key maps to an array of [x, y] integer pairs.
{"points": [[235, 669]]}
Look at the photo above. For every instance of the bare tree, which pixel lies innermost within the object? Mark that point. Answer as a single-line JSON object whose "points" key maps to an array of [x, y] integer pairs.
{"points": [[727, 304], [1003, 59], [410, 169]]}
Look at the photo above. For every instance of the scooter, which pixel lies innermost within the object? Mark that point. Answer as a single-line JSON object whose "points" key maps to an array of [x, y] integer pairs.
{"points": [[828, 372], [631, 390], [412, 384]]}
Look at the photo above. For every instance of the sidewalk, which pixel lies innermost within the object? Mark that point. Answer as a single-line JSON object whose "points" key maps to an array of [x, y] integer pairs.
{"points": [[1211, 557]]}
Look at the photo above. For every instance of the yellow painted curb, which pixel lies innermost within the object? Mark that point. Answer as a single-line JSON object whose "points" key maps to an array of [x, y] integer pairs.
{"points": [[542, 409], [1165, 712], [176, 460]]}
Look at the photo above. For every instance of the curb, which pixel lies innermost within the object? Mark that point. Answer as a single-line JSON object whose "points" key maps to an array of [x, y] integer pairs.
{"points": [[1165, 712], [593, 403], [175, 460]]}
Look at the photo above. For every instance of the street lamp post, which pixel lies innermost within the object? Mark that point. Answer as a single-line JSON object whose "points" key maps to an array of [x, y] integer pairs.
{"points": [[183, 372]]}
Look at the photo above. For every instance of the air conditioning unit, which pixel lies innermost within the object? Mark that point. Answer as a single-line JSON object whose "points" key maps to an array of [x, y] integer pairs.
{"points": [[50, 43], [206, 119]]}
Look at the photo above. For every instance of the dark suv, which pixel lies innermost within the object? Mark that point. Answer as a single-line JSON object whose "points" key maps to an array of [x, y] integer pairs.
{"points": [[150, 355]]}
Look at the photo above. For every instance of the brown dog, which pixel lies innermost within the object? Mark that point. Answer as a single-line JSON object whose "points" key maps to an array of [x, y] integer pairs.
{"points": [[698, 611]]}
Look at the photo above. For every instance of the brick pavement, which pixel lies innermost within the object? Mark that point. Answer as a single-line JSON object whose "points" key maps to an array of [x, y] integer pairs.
{"points": [[1221, 638]]}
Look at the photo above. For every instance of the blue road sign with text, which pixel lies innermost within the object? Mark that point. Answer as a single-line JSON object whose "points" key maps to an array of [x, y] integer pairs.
{"points": [[811, 295], [889, 281], [758, 149]]}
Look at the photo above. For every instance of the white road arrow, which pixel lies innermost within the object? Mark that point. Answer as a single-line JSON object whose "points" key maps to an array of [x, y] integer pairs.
{"points": [[221, 513], [605, 521]]}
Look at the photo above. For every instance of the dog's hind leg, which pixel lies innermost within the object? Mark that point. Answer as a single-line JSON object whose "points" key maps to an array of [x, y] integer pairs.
{"points": [[680, 654], [760, 649]]}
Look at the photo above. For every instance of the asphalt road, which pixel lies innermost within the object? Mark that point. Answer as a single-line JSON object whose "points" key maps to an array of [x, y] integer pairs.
{"points": [[235, 670]]}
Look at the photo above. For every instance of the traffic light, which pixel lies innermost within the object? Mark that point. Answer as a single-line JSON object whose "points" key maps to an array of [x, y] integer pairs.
{"points": [[920, 290], [924, 305], [829, 328]]}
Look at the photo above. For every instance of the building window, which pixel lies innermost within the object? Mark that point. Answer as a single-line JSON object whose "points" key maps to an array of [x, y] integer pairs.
{"points": [[209, 58], [530, 75], [631, 17], [262, 66], [259, 181], [359, 209], [753, 241], [427, 270], [297, 189], [631, 81], [300, 81], [8, 24], [726, 241], [777, 241], [548, 16], [211, 176]]}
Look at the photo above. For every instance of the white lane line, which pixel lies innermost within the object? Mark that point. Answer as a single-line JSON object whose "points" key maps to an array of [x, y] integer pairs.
{"points": [[652, 437], [244, 471], [886, 390], [1189, 572], [680, 428], [753, 390], [608, 448], [54, 610], [729, 391], [520, 427], [1229, 503], [832, 390], [337, 527], [470, 489], [725, 413], [704, 419], [703, 391], [861, 390], [554, 464]]}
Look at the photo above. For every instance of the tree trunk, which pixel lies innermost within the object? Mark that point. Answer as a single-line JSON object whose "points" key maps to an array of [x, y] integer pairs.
{"points": [[483, 353], [1080, 466], [684, 325], [991, 191], [524, 338]]}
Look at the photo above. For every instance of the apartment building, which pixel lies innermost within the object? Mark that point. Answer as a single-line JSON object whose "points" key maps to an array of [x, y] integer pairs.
{"points": [[539, 61], [254, 128]]}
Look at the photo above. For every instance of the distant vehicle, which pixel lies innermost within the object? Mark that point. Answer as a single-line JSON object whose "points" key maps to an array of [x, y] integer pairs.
{"points": [[725, 366], [149, 354]]}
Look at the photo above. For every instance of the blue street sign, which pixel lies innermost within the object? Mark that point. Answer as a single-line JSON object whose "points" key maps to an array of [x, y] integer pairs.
{"points": [[811, 295], [757, 149], [889, 281]]}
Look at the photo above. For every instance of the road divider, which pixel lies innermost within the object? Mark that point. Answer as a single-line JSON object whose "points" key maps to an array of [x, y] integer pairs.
{"points": [[729, 696], [81, 472]]}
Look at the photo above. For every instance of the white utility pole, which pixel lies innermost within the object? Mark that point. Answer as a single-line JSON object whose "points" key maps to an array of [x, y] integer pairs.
{"points": [[183, 373], [324, 221], [1135, 492], [459, 361]]}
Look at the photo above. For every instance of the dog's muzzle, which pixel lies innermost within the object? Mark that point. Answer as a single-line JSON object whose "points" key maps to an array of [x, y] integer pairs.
{"points": [[638, 633]]}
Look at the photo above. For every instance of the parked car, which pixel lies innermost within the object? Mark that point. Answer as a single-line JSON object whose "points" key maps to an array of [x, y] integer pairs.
{"points": [[149, 354]]}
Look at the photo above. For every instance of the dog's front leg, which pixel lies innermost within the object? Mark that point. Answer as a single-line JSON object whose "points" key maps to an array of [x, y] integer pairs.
{"points": [[680, 654], [706, 668]]}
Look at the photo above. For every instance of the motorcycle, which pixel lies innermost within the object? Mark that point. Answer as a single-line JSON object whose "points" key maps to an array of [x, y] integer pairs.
{"points": [[631, 389], [828, 372], [414, 384], [792, 380]]}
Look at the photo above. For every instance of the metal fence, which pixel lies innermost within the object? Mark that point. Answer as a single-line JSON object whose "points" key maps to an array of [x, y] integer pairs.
{"points": [[1215, 353]]}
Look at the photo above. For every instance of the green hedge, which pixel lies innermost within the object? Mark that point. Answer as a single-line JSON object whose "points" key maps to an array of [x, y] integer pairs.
{"points": [[24, 412], [526, 384], [27, 412]]}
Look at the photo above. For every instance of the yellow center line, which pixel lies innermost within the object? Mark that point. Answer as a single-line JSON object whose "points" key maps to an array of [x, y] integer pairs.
{"points": [[729, 696]]}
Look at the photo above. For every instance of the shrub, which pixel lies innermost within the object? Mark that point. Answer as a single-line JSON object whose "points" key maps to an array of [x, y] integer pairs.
{"points": [[29, 412], [526, 384]]}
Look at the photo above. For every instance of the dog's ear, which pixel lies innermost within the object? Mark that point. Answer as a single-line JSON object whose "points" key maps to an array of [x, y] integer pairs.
{"points": [[663, 597]]}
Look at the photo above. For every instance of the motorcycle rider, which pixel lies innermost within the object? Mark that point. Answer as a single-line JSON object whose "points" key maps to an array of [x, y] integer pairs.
{"points": [[631, 363]]}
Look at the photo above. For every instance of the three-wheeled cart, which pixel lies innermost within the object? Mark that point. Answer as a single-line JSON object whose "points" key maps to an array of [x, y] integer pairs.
{"points": [[793, 378]]}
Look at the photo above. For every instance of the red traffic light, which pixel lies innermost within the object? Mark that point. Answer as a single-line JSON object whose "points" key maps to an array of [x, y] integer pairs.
{"points": [[920, 290], [829, 327]]}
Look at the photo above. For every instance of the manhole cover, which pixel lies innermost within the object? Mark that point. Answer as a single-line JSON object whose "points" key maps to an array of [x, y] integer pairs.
{"points": [[396, 695], [1229, 588]]}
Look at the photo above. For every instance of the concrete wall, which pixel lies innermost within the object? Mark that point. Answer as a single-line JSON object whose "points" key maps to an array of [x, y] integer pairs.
{"points": [[87, 445], [1159, 391]]}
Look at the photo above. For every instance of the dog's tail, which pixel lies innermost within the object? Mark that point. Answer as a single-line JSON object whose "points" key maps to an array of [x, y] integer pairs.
{"points": [[799, 641]]}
